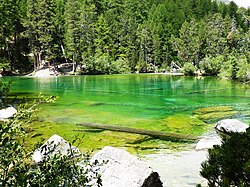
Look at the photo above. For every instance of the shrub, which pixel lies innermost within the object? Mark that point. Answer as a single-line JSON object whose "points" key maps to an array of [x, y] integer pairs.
{"points": [[119, 66], [212, 65], [228, 70], [189, 69], [243, 73], [229, 164]]}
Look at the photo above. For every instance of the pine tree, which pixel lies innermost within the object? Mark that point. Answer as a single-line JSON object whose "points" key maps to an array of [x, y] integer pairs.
{"points": [[8, 22], [73, 31], [41, 29]]}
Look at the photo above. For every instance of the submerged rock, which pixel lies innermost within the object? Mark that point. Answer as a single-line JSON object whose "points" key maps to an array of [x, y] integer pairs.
{"points": [[179, 122], [214, 113], [231, 125], [7, 112], [123, 169], [55, 145]]}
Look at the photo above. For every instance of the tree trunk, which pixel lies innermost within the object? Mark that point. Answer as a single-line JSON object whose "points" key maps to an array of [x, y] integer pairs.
{"points": [[155, 134]]}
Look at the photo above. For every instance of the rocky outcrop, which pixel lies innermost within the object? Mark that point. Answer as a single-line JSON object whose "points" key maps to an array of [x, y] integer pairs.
{"points": [[7, 113], [55, 145], [45, 72], [224, 127], [123, 169], [208, 142], [231, 125]]}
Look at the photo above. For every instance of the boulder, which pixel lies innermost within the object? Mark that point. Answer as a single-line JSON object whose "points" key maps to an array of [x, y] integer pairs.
{"points": [[7, 112], [208, 142], [231, 125], [123, 169], [55, 145]]}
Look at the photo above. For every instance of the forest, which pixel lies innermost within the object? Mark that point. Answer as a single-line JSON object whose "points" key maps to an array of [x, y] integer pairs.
{"points": [[124, 36]]}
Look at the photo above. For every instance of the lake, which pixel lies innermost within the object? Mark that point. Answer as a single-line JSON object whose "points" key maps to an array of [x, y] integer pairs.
{"points": [[158, 102]]}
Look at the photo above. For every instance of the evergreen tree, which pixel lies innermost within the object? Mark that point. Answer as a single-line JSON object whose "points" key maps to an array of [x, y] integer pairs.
{"points": [[189, 44], [8, 22], [73, 31], [41, 29]]}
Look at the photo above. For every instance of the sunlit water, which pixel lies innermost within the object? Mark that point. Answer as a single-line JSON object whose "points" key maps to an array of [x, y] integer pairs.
{"points": [[138, 101], [136, 97]]}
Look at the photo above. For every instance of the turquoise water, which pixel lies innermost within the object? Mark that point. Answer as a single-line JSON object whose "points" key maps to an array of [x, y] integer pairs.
{"points": [[139, 101]]}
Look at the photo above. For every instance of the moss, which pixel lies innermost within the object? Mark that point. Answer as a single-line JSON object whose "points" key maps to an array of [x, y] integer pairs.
{"points": [[202, 111], [184, 124], [212, 114]]}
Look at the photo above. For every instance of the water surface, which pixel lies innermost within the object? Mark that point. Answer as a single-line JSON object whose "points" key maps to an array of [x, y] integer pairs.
{"points": [[139, 101]]}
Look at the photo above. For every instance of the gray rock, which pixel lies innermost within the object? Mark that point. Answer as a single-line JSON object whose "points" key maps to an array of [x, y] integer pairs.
{"points": [[208, 142], [231, 125], [7, 112], [123, 169], [55, 145]]}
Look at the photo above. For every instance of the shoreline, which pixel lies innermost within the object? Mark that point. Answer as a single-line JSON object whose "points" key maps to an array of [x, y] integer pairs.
{"points": [[179, 168]]}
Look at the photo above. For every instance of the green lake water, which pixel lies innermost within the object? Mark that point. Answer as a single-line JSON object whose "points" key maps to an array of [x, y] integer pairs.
{"points": [[154, 102]]}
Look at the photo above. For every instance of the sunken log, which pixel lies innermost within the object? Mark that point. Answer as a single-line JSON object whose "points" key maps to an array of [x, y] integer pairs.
{"points": [[154, 134]]}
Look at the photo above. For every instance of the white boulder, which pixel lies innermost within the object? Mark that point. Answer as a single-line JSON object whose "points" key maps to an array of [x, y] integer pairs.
{"points": [[208, 142], [231, 125], [55, 145], [7, 112], [123, 169]]}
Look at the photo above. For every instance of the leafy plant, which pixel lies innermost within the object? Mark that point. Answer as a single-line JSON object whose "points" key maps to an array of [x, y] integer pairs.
{"points": [[243, 74], [212, 65], [229, 164], [189, 69]]}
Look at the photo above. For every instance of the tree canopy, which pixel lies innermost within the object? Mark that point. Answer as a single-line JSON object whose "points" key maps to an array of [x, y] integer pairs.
{"points": [[144, 35]]}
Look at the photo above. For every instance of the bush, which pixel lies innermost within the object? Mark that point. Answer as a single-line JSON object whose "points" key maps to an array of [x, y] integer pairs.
{"points": [[212, 65], [142, 66], [243, 73], [229, 164], [228, 67], [189, 69], [119, 66], [98, 64]]}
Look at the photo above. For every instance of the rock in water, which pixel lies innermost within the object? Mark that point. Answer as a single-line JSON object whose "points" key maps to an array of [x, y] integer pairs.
{"points": [[231, 125], [7, 112], [124, 170], [55, 145], [208, 142]]}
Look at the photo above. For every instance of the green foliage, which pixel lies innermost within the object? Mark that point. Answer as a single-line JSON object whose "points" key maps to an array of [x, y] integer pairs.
{"points": [[154, 32], [119, 66], [228, 67], [212, 65], [4, 63], [243, 73], [17, 167], [73, 30], [229, 164], [189, 69], [99, 65], [4, 92]]}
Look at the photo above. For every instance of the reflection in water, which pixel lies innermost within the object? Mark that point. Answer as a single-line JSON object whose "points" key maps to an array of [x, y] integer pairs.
{"points": [[132, 96]]}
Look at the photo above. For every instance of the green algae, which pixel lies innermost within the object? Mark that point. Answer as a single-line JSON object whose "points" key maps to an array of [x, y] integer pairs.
{"points": [[150, 102], [184, 124], [213, 114]]}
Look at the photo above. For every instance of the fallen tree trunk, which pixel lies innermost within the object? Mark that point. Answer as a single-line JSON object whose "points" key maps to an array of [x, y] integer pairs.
{"points": [[154, 134]]}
